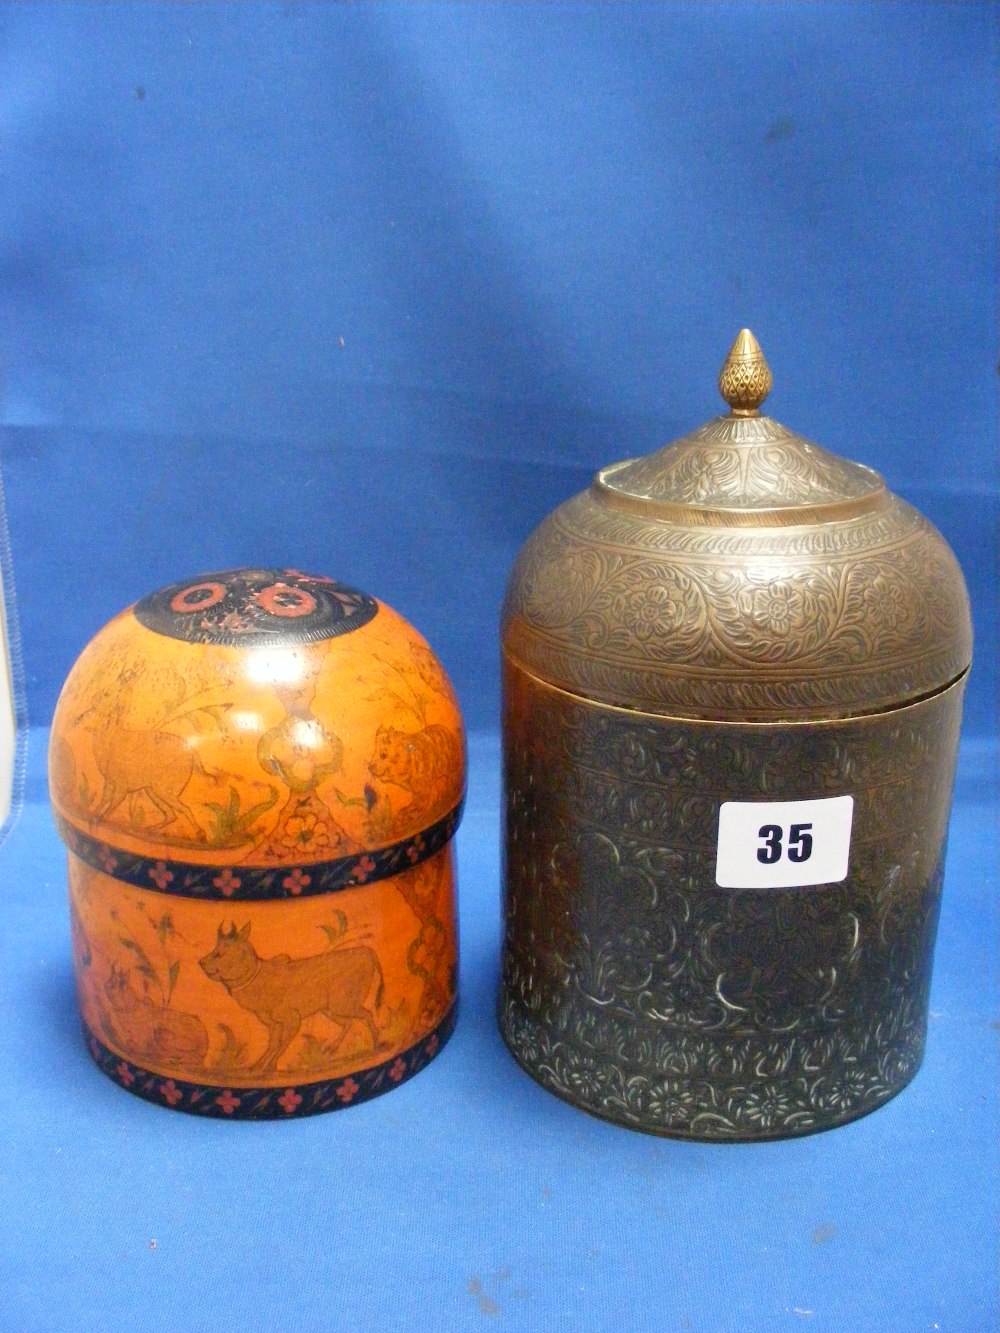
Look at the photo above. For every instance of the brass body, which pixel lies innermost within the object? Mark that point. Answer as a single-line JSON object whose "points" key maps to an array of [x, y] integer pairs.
{"points": [[741, 616]]}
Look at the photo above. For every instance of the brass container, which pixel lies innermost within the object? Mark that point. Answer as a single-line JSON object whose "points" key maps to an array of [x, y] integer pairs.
{"points": [[258, 774], [733, 678]]}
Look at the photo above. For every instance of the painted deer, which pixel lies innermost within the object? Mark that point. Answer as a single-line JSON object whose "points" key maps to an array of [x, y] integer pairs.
{"points": [[282, 992], [134, 760]]}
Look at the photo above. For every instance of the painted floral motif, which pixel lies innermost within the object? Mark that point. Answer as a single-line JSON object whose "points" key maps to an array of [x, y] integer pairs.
{"points": [[365, 867], [226, 882], [252, 604], [170, 1092], [304, 835], [347, 1090], [193, 880], [270, 1103], [158, 873], [295, 882]]}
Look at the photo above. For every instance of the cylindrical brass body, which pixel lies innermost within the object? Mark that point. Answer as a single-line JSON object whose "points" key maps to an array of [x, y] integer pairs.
{"points": [[636, 988]]}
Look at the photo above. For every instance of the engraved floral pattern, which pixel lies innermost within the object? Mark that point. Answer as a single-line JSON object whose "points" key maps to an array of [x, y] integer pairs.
{"points": [[636, 988], [738, 621], [651, 610], [885, 602], [778, 606], [744, 462]]}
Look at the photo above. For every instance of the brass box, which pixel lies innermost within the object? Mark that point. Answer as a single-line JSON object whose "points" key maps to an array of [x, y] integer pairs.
{"points": [[733, 677]]}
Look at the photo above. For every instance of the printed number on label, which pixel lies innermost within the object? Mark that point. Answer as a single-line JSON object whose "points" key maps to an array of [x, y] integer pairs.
{"points": [[799, 848], [783, 844]]}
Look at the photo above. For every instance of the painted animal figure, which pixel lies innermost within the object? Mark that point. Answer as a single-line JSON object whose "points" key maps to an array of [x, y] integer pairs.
{"points": [[283, 992], [421, 762], [149, 1030], [158, 763]]}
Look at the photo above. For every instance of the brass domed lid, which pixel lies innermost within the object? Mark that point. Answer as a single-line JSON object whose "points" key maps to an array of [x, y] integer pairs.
{"points": [[740, 572], [743, 468]]}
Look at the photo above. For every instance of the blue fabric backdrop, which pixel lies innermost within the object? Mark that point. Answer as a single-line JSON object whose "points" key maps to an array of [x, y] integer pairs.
{"points": [[368, 289]]}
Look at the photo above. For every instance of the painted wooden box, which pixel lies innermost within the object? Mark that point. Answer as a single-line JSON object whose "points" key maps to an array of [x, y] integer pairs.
{"points": [[258, 775]]}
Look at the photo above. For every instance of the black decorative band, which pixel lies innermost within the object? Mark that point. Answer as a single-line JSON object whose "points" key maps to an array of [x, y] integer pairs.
{"points": [[240, 883], [256, 608], [285, 1103]]}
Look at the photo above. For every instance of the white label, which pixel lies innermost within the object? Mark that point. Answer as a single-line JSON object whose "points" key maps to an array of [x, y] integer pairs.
{"points": [[783, 844]]}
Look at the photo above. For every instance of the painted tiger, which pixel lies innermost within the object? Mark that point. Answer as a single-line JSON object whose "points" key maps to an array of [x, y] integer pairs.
{"points": [[424, 763]]}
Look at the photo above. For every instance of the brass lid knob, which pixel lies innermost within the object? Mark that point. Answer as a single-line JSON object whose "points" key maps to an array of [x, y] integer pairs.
{"points": [[745, 379]]}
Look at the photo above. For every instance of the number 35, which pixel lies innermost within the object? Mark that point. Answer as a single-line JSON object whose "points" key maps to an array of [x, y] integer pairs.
{"points": [[799, 848]]}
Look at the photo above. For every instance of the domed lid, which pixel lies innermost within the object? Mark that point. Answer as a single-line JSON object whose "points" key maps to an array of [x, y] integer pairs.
{"points": [[256, 733], [741, 572]]}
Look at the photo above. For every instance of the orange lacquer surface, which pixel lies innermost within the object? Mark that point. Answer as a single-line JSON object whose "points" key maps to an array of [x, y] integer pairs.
{"points": [[261, 874]]}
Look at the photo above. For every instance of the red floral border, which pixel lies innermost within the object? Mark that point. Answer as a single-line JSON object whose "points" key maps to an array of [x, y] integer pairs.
{"points": [[284, 1103], [244, 883]]}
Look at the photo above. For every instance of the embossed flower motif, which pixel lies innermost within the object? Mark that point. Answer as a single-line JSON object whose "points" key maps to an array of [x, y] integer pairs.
{"points": [[649, 611], [585, 1079], [884, 602], [432, 1047], [160, 875], [228, 1101], [226, 882], [778, 608], [670, 1102], [124, 1073], [415, 850], [348, 1090], [767, 1106], [296, 881], [847, 1091], [289, 1100], [305, 833], [397, 1069], [107, 860], [530, 1043], [170, 1092]]}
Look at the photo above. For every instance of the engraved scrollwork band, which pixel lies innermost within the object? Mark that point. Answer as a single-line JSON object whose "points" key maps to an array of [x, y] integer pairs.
{"points": [[822, 621]]}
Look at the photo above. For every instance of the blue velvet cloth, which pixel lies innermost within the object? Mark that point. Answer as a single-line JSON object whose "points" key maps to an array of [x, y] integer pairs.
{"points": [[368, 289]]}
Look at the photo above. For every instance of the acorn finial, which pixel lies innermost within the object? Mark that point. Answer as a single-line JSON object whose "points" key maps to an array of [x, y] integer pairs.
{"points": [[745, 380]]}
